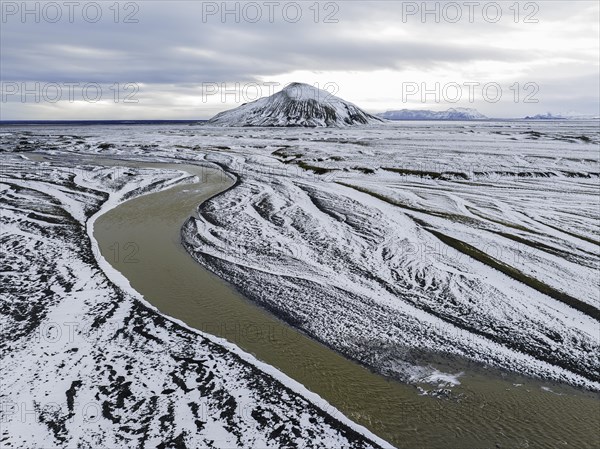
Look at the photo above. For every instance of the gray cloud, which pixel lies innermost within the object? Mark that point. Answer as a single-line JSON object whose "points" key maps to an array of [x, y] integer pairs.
{"points": [[172, 46]]}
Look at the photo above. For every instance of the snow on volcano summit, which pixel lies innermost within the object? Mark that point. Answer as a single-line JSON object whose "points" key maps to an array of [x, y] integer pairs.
{"points": [[297, 104]]}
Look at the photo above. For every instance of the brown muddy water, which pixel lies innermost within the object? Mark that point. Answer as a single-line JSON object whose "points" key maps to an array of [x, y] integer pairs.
{"points": [[141, 239]]}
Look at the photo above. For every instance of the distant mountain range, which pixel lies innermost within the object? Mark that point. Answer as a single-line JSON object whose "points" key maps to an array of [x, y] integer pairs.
{"points": [[450, 114], [568, 116], [546, 116], [297, 104]]}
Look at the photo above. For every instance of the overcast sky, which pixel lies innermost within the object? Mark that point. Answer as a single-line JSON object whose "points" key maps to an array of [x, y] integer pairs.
{"points": [[164, 60]]}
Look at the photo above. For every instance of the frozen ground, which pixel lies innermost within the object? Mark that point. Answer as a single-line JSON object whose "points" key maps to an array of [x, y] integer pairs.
{"points": [[391, 243], [479, 240], [87, 364]]}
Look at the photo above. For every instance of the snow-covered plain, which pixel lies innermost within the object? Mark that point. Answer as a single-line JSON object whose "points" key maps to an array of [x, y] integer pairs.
{"points": [[86, 363], [387, 243], [474, 240]]}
